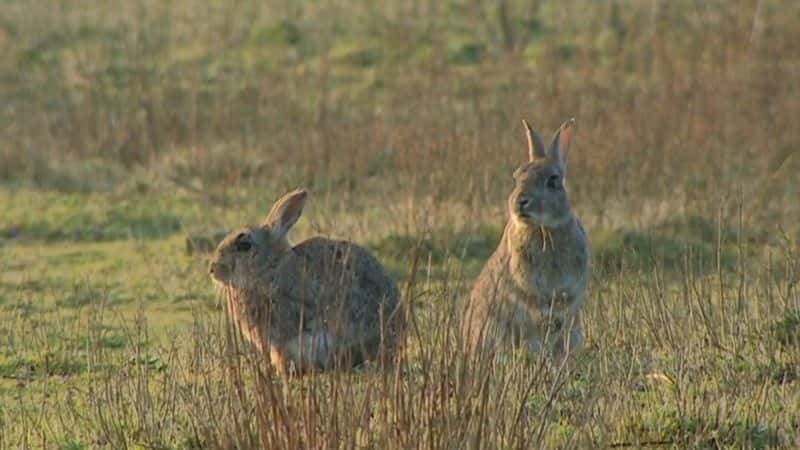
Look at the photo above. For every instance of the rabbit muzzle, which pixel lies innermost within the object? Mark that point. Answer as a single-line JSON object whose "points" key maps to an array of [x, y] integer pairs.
{"points": [[219, 272], [537, 211], [526, 207]]}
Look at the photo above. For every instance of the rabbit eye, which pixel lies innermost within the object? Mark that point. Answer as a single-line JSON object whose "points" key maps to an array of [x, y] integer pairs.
{"points": [[554, 182], [242, 244]]}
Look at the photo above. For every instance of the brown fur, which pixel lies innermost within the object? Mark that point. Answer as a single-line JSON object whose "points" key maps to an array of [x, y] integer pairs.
{"points": [[319, 305], [530, 291]]}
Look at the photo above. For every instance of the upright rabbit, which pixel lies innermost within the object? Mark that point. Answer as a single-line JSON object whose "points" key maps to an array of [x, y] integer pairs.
{"points": [[530, 291], [319, 305]]}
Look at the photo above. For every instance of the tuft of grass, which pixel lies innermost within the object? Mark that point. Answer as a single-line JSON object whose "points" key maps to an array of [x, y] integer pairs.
{"points": [[786, 329], [284, 32], [44, 365], [465, 52], [72, 445]]}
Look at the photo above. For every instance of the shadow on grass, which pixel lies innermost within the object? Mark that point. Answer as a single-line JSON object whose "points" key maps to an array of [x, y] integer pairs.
{"points": [[118, 223], [692, 244], [786, 330], [670, 428], [471, 248], [46, 364]]}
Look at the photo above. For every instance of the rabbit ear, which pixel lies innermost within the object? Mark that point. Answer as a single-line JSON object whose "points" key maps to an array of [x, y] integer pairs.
{"points": [[285, 212], [535, 145], [560, 144]]}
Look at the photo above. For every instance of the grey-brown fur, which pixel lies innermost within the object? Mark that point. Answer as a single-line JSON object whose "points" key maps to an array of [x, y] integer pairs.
{"points": [[319, 305], [530, 291]]}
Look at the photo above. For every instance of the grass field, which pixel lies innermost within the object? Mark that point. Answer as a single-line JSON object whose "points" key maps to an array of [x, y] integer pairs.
{"points": [[132, 133]]}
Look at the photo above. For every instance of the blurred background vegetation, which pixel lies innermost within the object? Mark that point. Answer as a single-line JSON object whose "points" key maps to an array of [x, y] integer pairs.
{"points": [[676, 100]]}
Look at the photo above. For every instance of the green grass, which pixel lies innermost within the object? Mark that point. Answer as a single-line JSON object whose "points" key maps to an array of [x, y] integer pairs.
{"points": [[132, 136], [117, 325]]}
